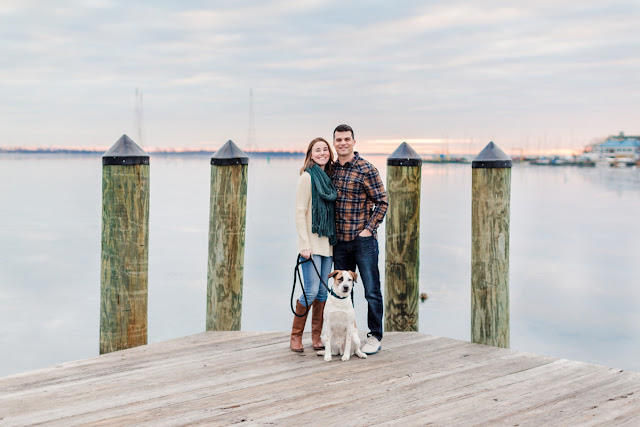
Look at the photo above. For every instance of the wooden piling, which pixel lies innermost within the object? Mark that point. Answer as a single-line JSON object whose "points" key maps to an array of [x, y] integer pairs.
{"points": [[227, 221], [125, 246], [491, 193], [402, 247]]}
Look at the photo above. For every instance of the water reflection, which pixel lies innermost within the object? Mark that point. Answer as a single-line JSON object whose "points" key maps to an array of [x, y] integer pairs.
{"points": [[574, 249]]}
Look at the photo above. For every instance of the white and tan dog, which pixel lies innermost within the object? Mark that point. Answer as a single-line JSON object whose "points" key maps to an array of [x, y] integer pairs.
{"points": [[339, 333]]}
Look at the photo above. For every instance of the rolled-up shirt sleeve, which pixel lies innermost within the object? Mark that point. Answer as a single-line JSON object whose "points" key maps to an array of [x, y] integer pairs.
{"points": [[377, 195]]}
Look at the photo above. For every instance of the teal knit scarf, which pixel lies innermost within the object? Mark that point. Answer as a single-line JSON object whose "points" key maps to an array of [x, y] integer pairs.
{"points": [[323, 204]]}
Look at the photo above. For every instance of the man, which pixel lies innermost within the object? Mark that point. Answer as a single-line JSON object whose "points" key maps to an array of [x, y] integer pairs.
{"points": [[360, 208]]}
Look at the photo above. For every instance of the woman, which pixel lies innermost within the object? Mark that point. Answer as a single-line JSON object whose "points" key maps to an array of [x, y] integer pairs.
{"points": [[316, 227]]}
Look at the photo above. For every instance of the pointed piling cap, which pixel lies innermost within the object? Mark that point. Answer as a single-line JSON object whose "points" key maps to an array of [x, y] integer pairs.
{"points": [[491, 157], [229, 154], [404, 156], [125, 152]]}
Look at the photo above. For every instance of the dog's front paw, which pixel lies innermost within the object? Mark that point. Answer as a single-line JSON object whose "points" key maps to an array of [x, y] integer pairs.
{"points": [[361, 355], [346, 357], [327, 356]]}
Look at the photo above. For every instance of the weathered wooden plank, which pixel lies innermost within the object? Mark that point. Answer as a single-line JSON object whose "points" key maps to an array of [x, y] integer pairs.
{"points": [[235, 359], [232, 357], [487, 403], [549, 395], [388, 403], [100, 391], [156, 354], [149, 359], [301, 397], [507, 400], [253, 398], [95, 394], [115, 373], [191, 392], [581, 402], [415, 378], [426, 398]]}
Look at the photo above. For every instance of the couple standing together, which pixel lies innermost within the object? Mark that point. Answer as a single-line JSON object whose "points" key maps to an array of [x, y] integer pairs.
{"points": [[339, 206]]}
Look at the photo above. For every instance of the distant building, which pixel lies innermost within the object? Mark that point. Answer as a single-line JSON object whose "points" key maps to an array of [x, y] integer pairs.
{"points": [[619, 146]]}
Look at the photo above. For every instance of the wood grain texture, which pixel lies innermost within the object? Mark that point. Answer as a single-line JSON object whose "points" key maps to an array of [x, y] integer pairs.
{"points": [[402, 249], [125, 257], [227, 221], [222, 378], [491, 192]]}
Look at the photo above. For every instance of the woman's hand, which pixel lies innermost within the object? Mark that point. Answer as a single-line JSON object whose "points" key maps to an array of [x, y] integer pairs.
{"points": [[306, 253]]}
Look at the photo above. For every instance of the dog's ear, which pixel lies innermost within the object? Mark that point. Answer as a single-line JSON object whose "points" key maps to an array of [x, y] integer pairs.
{"points": [[354, 276], [333, 274]]}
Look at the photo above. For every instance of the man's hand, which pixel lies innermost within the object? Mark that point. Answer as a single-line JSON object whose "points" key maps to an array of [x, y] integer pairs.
{"points": [[365, 233], [306, 253]]}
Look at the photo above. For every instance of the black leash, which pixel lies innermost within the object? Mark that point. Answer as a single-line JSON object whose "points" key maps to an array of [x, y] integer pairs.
{"points": [[297, 276]]}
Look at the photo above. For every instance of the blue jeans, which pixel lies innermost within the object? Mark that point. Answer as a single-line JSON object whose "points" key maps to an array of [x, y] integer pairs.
{"points": [[312, 286], [363, 253]]}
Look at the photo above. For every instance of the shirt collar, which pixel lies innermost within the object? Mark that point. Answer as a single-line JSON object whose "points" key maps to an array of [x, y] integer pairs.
{"points": [[354, 160]]}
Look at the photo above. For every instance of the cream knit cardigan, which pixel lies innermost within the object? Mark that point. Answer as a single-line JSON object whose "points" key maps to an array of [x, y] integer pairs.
{"points": [[307, 239]]}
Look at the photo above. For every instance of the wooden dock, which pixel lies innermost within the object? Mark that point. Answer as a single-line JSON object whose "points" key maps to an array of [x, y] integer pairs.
{"points": [[222, 378]]}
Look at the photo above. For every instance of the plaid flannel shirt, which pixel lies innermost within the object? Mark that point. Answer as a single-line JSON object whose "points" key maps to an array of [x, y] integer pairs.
{"points": [[362, 201]]}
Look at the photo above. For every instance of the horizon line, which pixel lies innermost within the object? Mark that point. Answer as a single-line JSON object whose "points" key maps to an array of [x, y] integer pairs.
{"points": [[517, 152]]}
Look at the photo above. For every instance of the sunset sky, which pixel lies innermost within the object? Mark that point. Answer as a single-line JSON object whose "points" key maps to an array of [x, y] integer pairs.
{"points": [[443, 74]]}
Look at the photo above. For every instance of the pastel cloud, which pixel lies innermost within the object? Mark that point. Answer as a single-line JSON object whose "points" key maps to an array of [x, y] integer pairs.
{"points": [[542, 73]]}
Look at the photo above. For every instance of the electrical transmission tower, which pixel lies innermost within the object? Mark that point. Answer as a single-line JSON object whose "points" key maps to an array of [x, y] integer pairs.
{"points": [[251, 138], [138, 118]]}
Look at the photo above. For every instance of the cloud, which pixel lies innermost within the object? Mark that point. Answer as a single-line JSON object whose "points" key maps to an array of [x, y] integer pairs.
{"points": [[418, 70]]}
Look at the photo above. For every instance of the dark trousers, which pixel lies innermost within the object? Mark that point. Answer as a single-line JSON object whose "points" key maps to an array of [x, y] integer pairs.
{"points": [[363, 253]]}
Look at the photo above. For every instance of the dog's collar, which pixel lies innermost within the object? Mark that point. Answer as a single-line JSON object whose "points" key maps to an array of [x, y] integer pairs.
{"points": [[336, 295]]}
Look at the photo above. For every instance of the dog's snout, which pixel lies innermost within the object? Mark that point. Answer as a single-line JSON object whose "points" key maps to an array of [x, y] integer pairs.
{"points": [[345, 289]]}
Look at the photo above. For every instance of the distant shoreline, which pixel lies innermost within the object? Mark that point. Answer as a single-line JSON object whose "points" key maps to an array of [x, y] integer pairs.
{"points": [[153, 152]]}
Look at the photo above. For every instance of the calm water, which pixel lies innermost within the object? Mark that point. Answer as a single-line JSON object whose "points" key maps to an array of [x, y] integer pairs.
{"points": [[574, 256]]}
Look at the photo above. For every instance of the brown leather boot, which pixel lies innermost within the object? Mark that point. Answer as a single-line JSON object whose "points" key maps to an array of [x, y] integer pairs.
{"points": [[317, 318], [298, 328]]}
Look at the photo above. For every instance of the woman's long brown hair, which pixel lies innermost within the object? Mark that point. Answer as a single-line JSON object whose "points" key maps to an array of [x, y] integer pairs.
{"points": [[308, 162]]}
